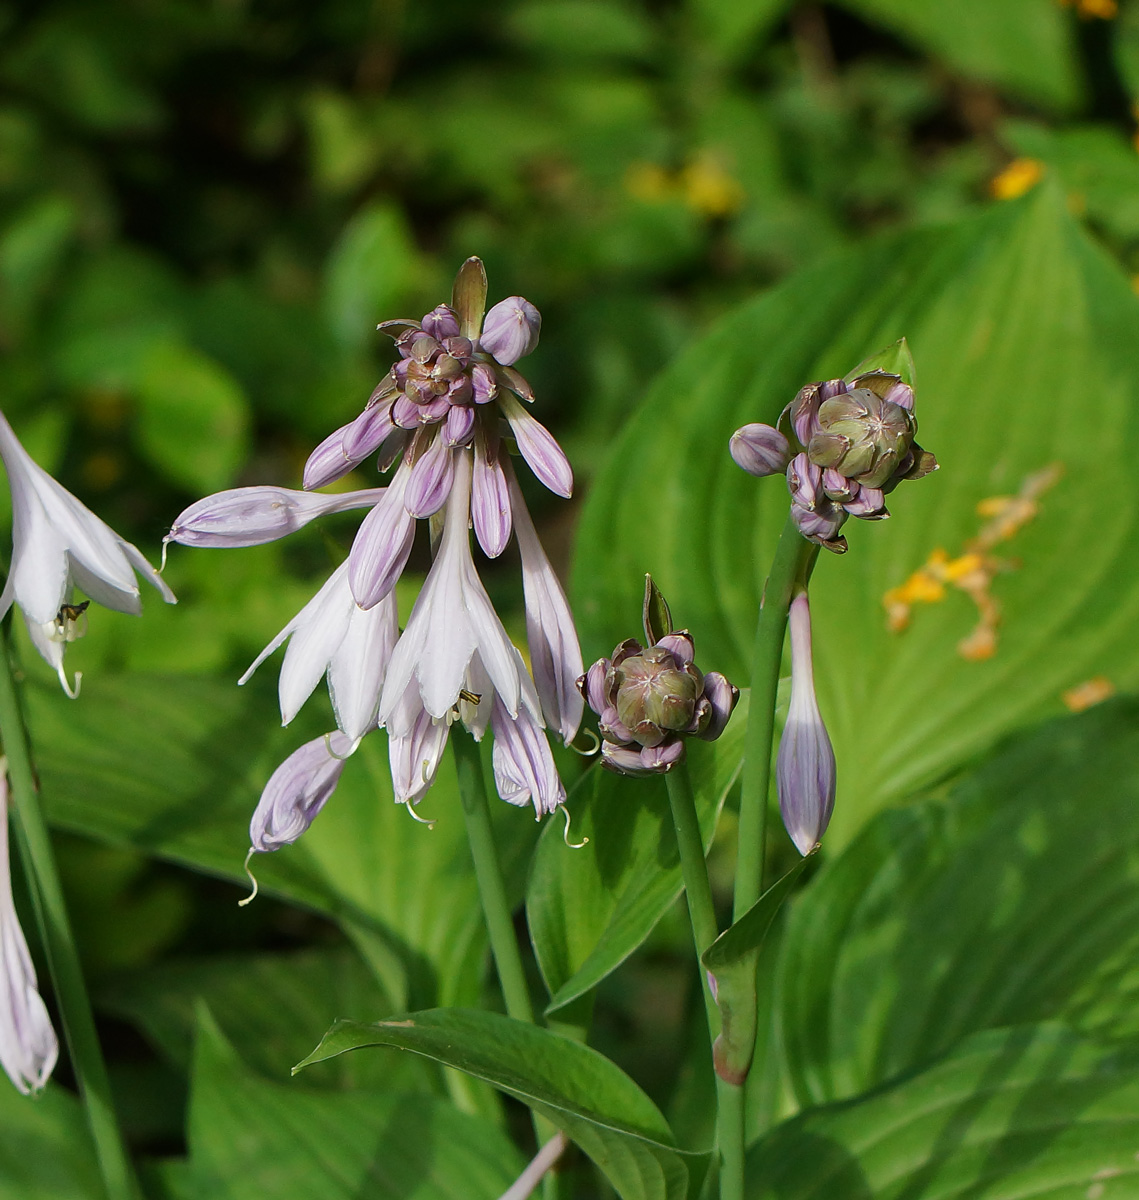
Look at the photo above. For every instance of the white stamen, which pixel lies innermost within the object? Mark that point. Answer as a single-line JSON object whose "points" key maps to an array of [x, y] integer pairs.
{"points": [[252, 879]]}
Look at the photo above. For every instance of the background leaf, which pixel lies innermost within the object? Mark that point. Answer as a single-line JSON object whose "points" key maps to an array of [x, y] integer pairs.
{"points": [[1011, 900], [46, 1151], [580, 1091], [1013, 1114], [1021, 330]]}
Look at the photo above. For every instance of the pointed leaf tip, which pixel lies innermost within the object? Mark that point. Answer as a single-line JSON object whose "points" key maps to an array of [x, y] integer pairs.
{"points": [[657, 616]]}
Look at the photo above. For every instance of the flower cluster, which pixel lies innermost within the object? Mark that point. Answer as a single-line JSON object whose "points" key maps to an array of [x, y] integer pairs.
{"points": [[853, 444], [437, 417], [649, 699]]}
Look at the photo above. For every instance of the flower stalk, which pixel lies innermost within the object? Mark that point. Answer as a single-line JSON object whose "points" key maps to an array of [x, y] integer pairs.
{"points": [[59, 944]]}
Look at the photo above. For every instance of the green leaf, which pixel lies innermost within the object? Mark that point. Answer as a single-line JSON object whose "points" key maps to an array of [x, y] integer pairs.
{"points": [[268, 1004], [895, 360], [588, 909], [193, 419], [591, 1099], [1019, 44], [370, 273], [46, 1151], [113, 769], [1011, 900], [1013, 1114], [249, 1137], [656, 617], [732, 959], [31, 248], [1021, 329]]}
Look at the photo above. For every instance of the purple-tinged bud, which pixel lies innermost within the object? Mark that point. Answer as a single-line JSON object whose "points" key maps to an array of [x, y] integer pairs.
{"points": [[804, 409], [328, 462], [861, 436], [537, 446], [405, 413], [524, 771], [622, 760], [414, 756], [805, 766], [655, 696], [657, 760], [252, 516], [297, 790], [837, 487], [491, 512], [680, 645], [429, 483], [441, 323], [511, 330], [484, 386], [869, 504], [369, 431], [818, 518], [722, 698], [760, 449], [382, 544], [593, 687], [459, 425]]}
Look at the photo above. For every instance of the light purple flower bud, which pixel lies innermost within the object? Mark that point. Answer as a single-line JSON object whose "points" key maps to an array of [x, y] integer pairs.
{"points": [[252, 516], [405, 413], [869, 505], [722, 698], [656, 760], [369, 431], [382, 545], [538, 447], [429, 483], [510, 330], [524, 770], [760, 449], [902, 395], [459, 425], [415, 754], [483, 384], [805, 766], [680, 645], [328, 462], [441, 322], [592, 685], [297, 790], [623, 760], [490, 501]]}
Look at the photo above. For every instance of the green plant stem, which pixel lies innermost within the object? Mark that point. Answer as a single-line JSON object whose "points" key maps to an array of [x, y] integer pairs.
{"points": [[794, 557], [59, 945], [702, 913], [496, 907]]}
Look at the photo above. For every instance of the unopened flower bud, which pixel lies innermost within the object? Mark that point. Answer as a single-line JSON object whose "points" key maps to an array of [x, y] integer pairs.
{"points": [[297, 790], [510, 330], [760, 450], [805, 766], [861, 436]]}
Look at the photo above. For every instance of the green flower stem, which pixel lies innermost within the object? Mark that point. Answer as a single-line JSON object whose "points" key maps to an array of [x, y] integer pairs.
{"points": [[702, 913], [496, 907], [492, 890], [794, 557], [59, 944]]}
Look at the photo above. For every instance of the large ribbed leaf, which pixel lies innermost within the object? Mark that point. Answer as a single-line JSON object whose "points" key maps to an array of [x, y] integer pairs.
{"points": [[1019, 1114], [1010, 901], [1026, 340], [577, 1089]]}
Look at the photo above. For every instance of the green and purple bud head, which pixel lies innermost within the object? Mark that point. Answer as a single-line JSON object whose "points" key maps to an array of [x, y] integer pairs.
{"points": [[650, 697]]}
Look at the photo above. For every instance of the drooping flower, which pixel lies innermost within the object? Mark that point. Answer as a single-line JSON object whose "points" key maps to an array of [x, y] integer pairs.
{"points": [[297, 790], [805, 765], [28, 1045], [650, 699], [58, 545]]}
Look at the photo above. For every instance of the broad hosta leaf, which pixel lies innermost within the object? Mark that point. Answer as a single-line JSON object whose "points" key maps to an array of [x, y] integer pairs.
{"points": [[249, 1137], [45, 1148], [1023, 333], [1020, 44], [590, 908], [1012, 900], [271, 1005], [174, 766], [579, 1090], [1018, 1114]]}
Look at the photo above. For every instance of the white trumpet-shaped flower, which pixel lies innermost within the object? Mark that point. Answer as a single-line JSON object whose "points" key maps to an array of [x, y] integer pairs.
{"points": [[332, 635], [59, 544], [28, 1045]]}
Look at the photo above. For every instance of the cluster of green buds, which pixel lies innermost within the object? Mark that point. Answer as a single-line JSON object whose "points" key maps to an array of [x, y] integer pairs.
{"points": [[847, 444], [649, 698]]}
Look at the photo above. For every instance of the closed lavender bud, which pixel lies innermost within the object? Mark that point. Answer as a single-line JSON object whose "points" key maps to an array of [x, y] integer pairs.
{"points": [[297, 790], [760, 449], [510, 330], [805, 766], [861, 436]]}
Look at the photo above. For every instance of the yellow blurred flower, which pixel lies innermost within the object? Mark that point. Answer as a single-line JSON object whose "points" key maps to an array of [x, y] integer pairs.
{"points": [[1104, 10], [709, 189], [1091, 692], [1020, 176], [648, 181]]}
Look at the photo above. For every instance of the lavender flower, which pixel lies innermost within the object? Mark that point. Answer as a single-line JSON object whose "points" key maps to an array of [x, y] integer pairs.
{"points": [[856, 443], [649, 700], [59, 544], [439, 418], [805, 766], [28, 1045]]}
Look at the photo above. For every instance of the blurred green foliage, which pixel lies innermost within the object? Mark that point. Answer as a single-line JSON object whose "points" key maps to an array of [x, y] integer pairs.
{"points": [[205, 208]]}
